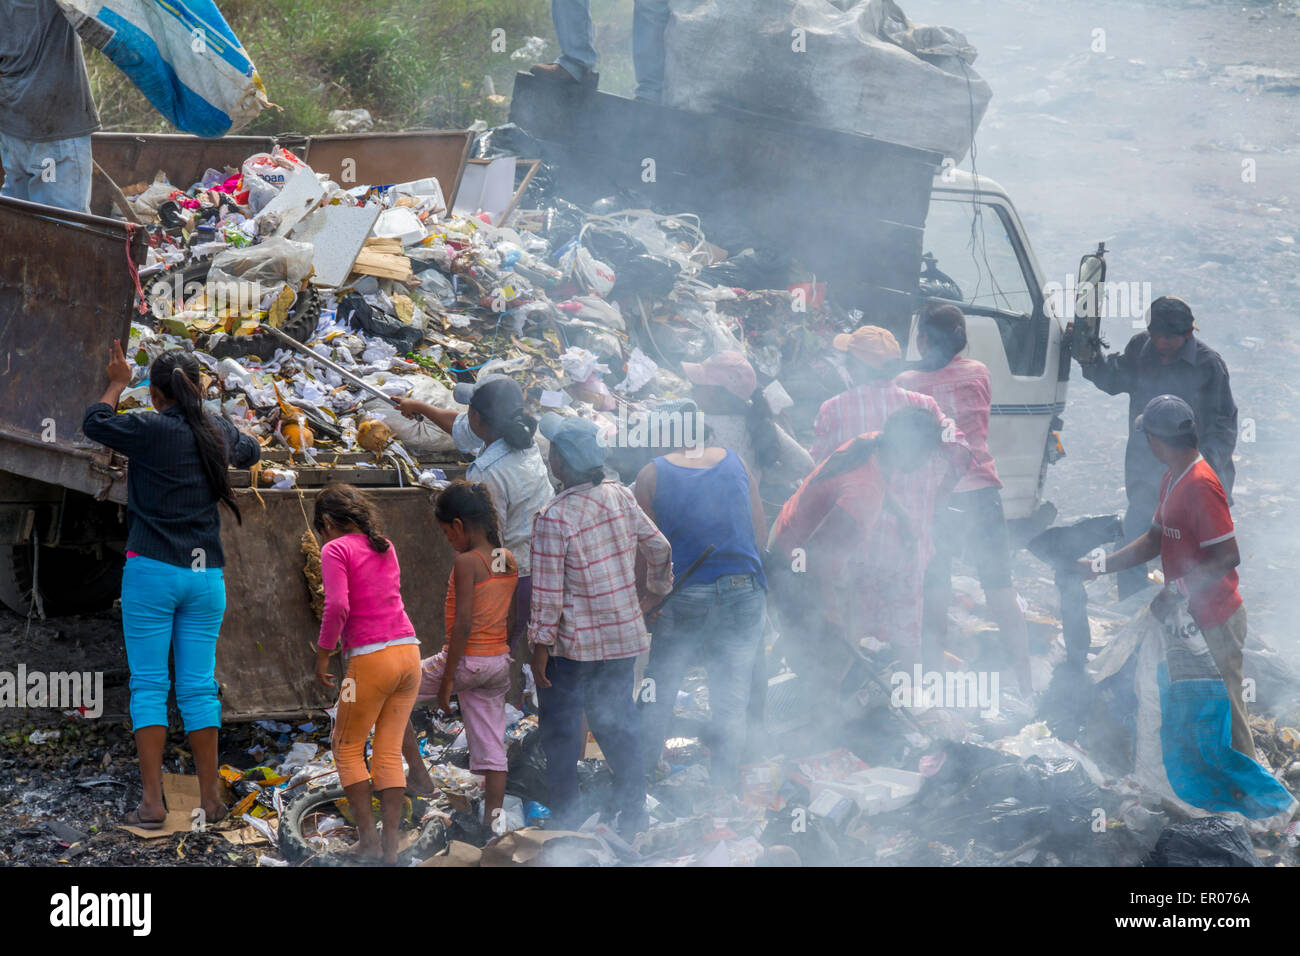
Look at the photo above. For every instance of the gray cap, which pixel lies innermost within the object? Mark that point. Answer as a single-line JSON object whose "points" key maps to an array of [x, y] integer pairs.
{"points": [[575, 439], [1167, 416]]}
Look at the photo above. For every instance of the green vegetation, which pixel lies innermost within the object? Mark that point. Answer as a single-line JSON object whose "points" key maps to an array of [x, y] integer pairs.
{"points": [[411, 63]]}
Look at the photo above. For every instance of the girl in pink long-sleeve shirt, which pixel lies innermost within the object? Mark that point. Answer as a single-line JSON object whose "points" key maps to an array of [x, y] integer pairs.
{"points": [[364, 616]]}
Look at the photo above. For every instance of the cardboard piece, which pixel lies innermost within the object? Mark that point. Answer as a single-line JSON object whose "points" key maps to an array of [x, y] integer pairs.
{"points": [[244, 836], [526, 847], [486, 185], [456, 854], [181, 791], [337, 235]]}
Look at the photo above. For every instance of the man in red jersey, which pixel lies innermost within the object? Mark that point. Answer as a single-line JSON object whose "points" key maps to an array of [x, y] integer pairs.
{"points": [[1192, 532]]}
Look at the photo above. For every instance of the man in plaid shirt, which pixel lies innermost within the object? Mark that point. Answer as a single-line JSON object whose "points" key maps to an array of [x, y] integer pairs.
{"points": [[587, 626]]}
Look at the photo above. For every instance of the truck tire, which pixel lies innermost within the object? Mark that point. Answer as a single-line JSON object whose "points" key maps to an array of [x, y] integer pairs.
{"points": [[300, 324], [71, 581], [295, 848]]}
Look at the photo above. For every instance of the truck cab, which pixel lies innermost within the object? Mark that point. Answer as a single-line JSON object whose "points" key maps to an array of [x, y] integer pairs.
{"points": [[977, 256]]}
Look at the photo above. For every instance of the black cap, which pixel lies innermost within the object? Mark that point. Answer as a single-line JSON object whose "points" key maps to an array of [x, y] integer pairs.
{"points": [[496, 398], [1170, 315]]}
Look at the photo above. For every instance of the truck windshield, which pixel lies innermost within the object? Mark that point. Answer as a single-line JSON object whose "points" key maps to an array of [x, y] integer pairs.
{"points": [[977, 254], [970, 258]]}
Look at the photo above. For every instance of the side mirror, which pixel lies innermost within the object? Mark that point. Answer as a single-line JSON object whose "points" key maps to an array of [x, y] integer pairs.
{"points": [[1086, 343]]}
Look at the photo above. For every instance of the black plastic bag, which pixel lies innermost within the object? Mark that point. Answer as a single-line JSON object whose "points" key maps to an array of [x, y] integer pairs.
{"points": [[505, 140], [596, 787], [526, 778], [358, 314], [1207, 841]]}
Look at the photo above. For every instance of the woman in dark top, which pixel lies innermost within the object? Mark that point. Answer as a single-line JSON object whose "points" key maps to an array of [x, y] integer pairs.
{"points": [[173, 594]]}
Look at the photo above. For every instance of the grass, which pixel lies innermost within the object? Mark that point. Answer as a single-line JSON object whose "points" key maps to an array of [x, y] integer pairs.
{"points": [[411, 63]]}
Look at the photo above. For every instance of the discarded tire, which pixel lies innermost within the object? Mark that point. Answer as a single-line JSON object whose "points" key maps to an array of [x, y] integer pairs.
{"points": [[295, 848], [181, 281]]}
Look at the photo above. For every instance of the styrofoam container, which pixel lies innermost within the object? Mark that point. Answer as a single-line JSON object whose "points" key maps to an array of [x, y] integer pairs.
{"points": [[875, 790]]}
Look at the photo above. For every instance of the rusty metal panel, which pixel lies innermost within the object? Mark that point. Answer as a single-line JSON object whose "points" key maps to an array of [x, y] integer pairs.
{"points": [[394, 157], [376, 158], [66, 291], [266, 655]]}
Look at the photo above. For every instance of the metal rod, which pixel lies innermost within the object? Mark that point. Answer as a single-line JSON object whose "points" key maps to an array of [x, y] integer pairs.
{"points": [[681, 581], [333, 366]]}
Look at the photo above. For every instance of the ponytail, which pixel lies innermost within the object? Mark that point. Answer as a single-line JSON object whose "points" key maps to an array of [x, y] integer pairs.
{"points": [[175, 373], [764, 433], [471, 503], [345, 505], [517, 430]]}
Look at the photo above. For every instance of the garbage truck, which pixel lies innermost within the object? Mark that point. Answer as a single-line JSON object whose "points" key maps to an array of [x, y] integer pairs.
{"points": [[886, 226]]}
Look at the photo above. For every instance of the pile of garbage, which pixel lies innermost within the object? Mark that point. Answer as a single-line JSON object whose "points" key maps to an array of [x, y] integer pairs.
{"points": [[385, 293]]}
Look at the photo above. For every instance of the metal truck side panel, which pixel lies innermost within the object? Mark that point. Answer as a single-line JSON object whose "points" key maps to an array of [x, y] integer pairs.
{"points": [[266, 656], [371, 158], [66, 292]]}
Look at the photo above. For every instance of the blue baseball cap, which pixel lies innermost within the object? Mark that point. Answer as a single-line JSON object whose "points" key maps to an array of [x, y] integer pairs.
{"points": [[1167, 416], [575, 439]]}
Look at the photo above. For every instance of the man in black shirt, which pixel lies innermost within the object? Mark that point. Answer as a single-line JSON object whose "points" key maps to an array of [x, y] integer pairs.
{"points": [[1167, 359]]}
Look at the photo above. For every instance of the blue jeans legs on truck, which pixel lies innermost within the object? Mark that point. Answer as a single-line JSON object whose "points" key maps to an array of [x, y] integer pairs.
{"points": [[169, 608], [577, 38], [1142, 501], [56, 172], [718, 625], [576, 35], [603, 689], [649, 19]]}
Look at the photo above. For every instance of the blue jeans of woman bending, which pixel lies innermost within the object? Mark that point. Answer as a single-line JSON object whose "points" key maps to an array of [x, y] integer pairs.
{"points": [[718, 625], [170, 608]]}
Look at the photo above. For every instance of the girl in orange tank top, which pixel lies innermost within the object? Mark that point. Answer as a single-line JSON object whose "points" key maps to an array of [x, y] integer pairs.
{"points": [[474, 663]]}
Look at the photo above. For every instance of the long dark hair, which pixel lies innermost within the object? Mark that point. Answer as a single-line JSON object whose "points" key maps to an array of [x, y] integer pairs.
{"points": [[945, 328], [471, 502], [849, 458], [764, 433], [175, 373], [344, 505], [911, 428]]}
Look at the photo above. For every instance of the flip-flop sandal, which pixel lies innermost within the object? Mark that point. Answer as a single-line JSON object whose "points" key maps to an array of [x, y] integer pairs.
{"points": [[133, 819]]}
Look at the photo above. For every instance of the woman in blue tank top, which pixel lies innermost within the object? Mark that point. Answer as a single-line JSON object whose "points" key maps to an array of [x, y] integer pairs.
{"points": [[703, 496]]}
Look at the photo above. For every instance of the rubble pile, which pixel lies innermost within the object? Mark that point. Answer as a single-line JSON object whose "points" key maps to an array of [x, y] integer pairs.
{"points": [[589, 310]]}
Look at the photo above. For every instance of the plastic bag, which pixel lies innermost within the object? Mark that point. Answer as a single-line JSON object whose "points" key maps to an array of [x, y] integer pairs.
{"points": [[267, 263], [357, 312], [1209, 841], [420, 437], [181, 55], [873, 72]]}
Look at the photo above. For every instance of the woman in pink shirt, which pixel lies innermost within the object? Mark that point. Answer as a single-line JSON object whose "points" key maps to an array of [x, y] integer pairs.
{"points": [[363, 610], [973, 522]]}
